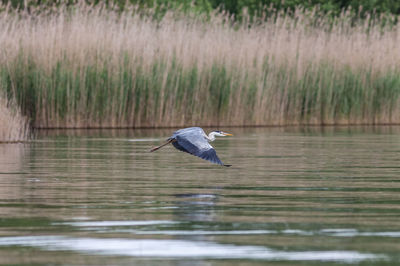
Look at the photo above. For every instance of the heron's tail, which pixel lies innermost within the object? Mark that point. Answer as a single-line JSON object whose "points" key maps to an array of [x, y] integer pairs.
{"points": [[159, 147]]}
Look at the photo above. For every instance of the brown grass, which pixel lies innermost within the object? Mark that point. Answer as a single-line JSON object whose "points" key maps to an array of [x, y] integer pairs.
{"points": [[94, 68]]}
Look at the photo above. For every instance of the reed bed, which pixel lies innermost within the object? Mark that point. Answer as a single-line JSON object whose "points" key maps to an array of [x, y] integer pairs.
{"points": [[14, 127], [88, 67]]}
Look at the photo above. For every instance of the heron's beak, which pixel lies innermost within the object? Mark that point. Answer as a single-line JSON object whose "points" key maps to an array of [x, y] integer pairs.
{"points": [[227, 134]]}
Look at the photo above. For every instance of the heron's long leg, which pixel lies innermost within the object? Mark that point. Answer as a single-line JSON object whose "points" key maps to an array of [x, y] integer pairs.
{"points": [[159, 147]]}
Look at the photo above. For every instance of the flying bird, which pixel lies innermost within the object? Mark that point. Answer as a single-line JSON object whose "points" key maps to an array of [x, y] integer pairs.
{"points": [[195, 141]]}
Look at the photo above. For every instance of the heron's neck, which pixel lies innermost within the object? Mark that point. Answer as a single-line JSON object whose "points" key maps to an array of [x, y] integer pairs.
{"points": [[211, 136]]}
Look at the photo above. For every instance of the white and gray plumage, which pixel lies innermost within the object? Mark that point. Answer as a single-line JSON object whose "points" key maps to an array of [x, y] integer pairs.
{"points": [[194, 140]]}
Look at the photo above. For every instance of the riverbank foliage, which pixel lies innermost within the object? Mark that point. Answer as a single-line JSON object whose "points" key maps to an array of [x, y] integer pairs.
{"points": [[94, 67], [235, 8]]}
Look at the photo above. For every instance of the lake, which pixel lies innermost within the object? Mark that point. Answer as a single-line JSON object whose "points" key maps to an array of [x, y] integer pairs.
{"points": [[308, 196]]}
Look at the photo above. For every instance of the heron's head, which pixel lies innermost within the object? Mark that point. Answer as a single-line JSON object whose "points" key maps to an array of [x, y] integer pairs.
{"points": [[211, 136]]}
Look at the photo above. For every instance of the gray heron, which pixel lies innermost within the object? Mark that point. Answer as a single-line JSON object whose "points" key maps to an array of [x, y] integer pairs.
{"points": [[195, 141]]}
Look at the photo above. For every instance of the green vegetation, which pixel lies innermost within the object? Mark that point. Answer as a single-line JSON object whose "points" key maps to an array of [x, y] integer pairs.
{"points": [[94, 67], [235, 7]]}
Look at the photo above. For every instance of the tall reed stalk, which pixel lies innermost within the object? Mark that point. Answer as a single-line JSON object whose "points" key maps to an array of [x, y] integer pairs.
{"points": [[94, 67]]}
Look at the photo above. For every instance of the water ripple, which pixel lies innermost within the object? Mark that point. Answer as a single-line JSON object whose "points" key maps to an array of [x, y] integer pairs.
{"points": [[180, 249], [116, 223], [109, 226]]}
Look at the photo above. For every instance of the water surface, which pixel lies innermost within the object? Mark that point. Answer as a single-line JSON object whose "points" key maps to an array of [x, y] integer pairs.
{"points": [[311, 196]]}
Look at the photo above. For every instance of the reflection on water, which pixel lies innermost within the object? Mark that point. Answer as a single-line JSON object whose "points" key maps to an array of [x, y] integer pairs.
{"points": [[313, 195]]}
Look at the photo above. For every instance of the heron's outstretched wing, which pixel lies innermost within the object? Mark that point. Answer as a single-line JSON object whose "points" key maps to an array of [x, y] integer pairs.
{"points": [[208, 154], [179, 147], [193, 142], [189, 131]]}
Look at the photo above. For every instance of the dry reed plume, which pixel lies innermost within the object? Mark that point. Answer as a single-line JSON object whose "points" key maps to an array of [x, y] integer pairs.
{"points": [[92, 67]]}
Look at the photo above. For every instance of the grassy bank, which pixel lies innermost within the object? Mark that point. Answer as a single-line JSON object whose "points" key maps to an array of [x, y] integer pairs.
{"points": [[92, 67]]}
